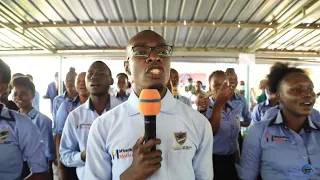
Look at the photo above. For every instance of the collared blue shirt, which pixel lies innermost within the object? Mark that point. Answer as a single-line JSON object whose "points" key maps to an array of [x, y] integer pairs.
{"points": [[36, 101], [185, 134], [19, 139], [259, 111], [272, 112], [44, 125], [185, 100], [226, 139], [56, 104], [279, 153], [75, 133], [125, 97], [65, 108], [52, 93]]}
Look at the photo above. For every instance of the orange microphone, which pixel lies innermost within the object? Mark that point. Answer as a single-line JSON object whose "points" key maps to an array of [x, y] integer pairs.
{"points": [[149, 106]]}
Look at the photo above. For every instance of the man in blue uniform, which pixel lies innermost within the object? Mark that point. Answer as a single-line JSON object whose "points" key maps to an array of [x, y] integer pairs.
{"points": [[19, 139], [76, 129], [184, 147], [122, 84], [61, 117]]}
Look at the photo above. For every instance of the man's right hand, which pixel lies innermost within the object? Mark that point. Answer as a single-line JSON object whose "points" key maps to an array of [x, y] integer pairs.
{"points": [[224, 94], [145, 162]]}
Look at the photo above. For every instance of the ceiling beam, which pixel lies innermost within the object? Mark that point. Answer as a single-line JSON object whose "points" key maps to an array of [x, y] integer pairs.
{"points": [[18, 30], [159, 24], [280, 31]]}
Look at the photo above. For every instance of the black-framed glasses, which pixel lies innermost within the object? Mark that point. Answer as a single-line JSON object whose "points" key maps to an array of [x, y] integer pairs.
{"points": [[163, 51]]}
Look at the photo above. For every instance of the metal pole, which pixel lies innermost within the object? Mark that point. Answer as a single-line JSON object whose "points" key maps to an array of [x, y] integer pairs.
{"points": [[247, 94], [60, 76]]}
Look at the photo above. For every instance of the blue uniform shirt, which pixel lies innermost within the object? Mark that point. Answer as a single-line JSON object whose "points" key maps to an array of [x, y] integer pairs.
{"points": [[56, 104], [226, 139], [36, 101], [279, 153], [259, 111], [125, 97], [185, 100], [65, 108], [272, 112], [185, 134], [44, 125], [75, 134], [52, 93], [19, 139]]}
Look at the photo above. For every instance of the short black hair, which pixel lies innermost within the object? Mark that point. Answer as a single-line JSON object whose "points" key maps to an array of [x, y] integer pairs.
{"points": [[216, 73], [105, 65], [123, 74], [200, 83], [29, 76], [278, 72], [24, 81], [5, 72], [230, 70]]}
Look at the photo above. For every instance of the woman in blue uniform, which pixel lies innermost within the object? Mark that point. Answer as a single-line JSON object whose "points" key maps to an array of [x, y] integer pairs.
{"points": [[286, 146], [19, 139], [23, 94]]}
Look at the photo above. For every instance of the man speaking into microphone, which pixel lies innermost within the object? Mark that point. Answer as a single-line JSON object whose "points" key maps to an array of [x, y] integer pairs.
{"points": [[116, 147]]}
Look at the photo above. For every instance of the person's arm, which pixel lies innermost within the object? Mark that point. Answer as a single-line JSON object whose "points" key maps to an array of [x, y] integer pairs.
{"points": [[251, 154], [32, 148], [202, 161], [98, 159], [70, 154], [245, 114], [255, 115]]}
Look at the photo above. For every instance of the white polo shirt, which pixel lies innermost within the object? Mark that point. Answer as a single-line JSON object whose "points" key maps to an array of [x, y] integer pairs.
{"points": [[185, 134], [75, 133]]}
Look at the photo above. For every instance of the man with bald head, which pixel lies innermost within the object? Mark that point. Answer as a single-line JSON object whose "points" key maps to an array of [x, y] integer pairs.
{"points": [[116, 149], [76, 128], [173, 85]]}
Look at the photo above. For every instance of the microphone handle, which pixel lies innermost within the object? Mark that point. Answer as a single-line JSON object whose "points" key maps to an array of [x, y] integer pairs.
{"points": [[150, 129]]}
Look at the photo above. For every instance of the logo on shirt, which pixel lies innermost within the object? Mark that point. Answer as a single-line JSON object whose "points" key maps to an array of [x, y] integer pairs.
{"points": [[83, 126], [4, 135], [181, 138], [307, 169], [273, 138], [121, 153]]}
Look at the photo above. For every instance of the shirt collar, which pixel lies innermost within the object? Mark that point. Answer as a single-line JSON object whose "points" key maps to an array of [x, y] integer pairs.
{"points": [[117, 95], [307, 126], [89, 105], [76, 100], [236, 96], [168, 102], [5, 113], [32, 114]]}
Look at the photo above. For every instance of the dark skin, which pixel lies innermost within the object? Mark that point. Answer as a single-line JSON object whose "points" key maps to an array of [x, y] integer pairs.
{"points": [[145, 162], [83, 95], [294, 90], [122, 84], [98, 81], [174, 79], [70, 85], [23, 98]]}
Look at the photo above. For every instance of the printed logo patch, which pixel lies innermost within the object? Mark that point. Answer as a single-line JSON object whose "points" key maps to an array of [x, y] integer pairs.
{"points": [[121, 153], [274, 138], [83, 126], [181, 138], [4, 135], [307, 169]]}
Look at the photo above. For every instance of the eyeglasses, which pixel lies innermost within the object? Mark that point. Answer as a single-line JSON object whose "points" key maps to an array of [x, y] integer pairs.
{"points": [[163, 51]]}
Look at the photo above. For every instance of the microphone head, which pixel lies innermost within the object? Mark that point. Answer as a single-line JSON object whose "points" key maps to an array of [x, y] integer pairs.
{"points": [[149, 102], [175, 91]]}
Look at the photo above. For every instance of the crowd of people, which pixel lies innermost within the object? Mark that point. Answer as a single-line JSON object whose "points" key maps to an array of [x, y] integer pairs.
{"points": [[98, 133]]}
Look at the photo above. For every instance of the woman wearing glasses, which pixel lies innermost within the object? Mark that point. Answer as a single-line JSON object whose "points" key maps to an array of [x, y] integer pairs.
{"points": [[286, 146]]}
